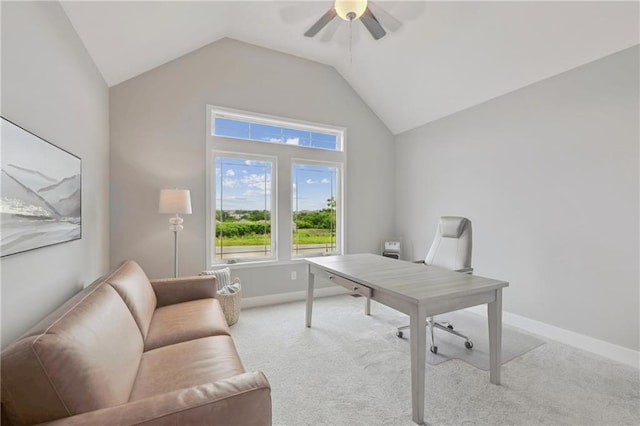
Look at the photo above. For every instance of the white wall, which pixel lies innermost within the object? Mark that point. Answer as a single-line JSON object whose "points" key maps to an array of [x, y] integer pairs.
{"points": [[51, 87], [158, 140], [549, 176]]}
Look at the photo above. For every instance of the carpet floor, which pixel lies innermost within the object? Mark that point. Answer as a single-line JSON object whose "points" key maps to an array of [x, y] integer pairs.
{"points": [[350, 369], [475, 327]]}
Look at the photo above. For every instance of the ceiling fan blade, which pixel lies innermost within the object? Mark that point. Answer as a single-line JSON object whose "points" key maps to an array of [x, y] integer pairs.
{"points": [[320, 23], [385, 18], [330, 30], [372, 24]]}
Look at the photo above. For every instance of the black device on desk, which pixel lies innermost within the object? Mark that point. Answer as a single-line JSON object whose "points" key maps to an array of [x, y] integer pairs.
{"points": [[391, 249]]}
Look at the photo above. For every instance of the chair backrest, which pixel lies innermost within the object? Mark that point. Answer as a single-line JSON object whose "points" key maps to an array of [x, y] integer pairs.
{"points": [[451, 247]]}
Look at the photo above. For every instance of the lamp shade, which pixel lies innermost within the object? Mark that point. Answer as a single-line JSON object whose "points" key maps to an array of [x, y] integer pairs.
{"points": [[175, 201]]}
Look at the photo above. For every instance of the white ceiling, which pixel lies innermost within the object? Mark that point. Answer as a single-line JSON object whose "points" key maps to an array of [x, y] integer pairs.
{"points": [[447, 56]]}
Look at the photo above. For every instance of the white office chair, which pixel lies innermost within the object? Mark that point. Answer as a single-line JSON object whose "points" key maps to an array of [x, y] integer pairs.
{"points": [[450, 249]]}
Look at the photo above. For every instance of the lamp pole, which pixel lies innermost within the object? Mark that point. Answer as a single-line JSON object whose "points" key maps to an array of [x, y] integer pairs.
{"points": [[176, 226]]}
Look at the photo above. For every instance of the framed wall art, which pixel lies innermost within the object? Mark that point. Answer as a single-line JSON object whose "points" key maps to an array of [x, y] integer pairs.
{"points": [[40, 202]]}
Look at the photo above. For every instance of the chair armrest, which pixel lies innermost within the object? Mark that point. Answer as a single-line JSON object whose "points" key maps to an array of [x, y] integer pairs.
{"points": [[240, 400], [177, 290]]}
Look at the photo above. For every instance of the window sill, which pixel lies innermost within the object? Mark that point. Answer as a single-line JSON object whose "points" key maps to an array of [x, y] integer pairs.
{"points": [[266, 263], [262, 264]]}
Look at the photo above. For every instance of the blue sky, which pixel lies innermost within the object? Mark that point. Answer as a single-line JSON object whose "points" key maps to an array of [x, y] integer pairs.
{"points": [[312, 185], [243, 184], [246, 185], [273, 134]]}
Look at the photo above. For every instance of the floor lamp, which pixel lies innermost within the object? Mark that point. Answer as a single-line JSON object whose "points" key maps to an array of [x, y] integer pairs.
{"points": [[175, 201]]}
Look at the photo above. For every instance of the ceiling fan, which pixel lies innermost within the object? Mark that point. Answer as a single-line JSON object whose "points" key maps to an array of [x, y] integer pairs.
{"points": [[352, 10]]}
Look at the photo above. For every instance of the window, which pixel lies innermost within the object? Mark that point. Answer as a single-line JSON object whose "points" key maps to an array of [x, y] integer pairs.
{"points": [[314, 207], [243, 209], [256, 131], [278, 200]]}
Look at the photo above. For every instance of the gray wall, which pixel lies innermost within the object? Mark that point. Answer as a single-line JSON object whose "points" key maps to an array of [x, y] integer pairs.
{"points": [[51, 87], [158, 140], [549, 176]]}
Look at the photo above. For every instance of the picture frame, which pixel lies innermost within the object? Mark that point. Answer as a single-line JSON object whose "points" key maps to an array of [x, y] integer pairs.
{"points": [[41, 192]]}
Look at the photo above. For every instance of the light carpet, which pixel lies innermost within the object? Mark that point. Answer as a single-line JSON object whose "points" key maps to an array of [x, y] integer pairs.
{"points": [[351, 369], [475, 327]]}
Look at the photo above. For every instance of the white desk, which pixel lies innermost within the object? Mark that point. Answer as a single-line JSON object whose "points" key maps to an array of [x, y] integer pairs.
{"points": [[419, 291]]}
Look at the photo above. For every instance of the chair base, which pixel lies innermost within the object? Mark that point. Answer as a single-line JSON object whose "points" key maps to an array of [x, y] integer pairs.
{"points": [[431, 324]]}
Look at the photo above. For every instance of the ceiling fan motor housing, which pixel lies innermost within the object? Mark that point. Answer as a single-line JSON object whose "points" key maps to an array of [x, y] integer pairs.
{"points": [[350, 10]]}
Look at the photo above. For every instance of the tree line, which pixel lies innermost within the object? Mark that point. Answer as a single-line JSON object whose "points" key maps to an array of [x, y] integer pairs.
{"points": [[258, 222]]}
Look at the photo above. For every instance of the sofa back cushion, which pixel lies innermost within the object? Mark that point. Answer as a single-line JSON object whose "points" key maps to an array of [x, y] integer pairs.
{"points": [[134, 287], [87, 358]]}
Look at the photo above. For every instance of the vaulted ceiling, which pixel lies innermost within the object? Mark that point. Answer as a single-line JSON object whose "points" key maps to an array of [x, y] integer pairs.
{"points": [[445, 57]]}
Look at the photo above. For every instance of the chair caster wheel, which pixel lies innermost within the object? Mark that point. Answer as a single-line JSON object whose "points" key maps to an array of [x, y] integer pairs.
{"points": [[399, 334], [434, 349], [468, 344]]}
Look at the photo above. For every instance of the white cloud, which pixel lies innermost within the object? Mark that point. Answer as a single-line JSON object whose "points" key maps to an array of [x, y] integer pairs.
{"points": [[249, 193], [255, 180], [230, 183], [293, 141], [230, 172], [229, 198], [312, 182]]}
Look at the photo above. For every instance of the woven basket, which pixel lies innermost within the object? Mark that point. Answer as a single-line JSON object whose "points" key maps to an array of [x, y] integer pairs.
{"points": [[230, 303], [230, 306]]}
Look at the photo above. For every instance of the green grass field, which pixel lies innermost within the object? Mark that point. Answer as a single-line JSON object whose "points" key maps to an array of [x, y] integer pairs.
{"points": [[303, 236]]}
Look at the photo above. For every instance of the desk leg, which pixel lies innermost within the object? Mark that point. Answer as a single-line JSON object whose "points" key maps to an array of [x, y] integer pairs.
{"points": [[310, 298], [494, 313], [367, 306], [418, 343]]}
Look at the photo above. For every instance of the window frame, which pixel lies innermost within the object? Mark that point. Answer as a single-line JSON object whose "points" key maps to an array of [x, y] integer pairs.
{"points": [[339, 207], [273, 201], [285, 155], [255, 118]]}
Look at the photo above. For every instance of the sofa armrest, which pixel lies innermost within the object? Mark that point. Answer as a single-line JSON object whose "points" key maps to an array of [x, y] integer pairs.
{"points": [[184, 289], [240, 400]]}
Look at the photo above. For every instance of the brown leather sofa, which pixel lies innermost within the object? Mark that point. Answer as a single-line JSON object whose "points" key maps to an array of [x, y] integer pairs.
{"points": [[126, 350]]}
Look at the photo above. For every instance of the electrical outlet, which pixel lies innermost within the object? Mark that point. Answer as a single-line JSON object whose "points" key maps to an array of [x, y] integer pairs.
{"points": [[294, 275]]}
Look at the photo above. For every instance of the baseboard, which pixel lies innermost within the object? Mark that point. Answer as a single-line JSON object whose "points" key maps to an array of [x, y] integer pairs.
{"points": [[600, 347], [274, 299]]}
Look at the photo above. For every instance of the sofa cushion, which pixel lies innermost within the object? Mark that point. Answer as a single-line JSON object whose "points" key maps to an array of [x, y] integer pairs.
{"points": [[134, 287], [186, 364], [186, 321], [86, 359]]}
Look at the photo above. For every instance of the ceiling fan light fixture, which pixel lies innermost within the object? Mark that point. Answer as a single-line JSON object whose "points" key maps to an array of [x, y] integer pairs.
{"points": [[350, 10]]}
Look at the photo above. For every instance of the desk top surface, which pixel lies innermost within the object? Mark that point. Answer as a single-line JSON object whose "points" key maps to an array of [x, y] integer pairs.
{"points": [[406, 279]]}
